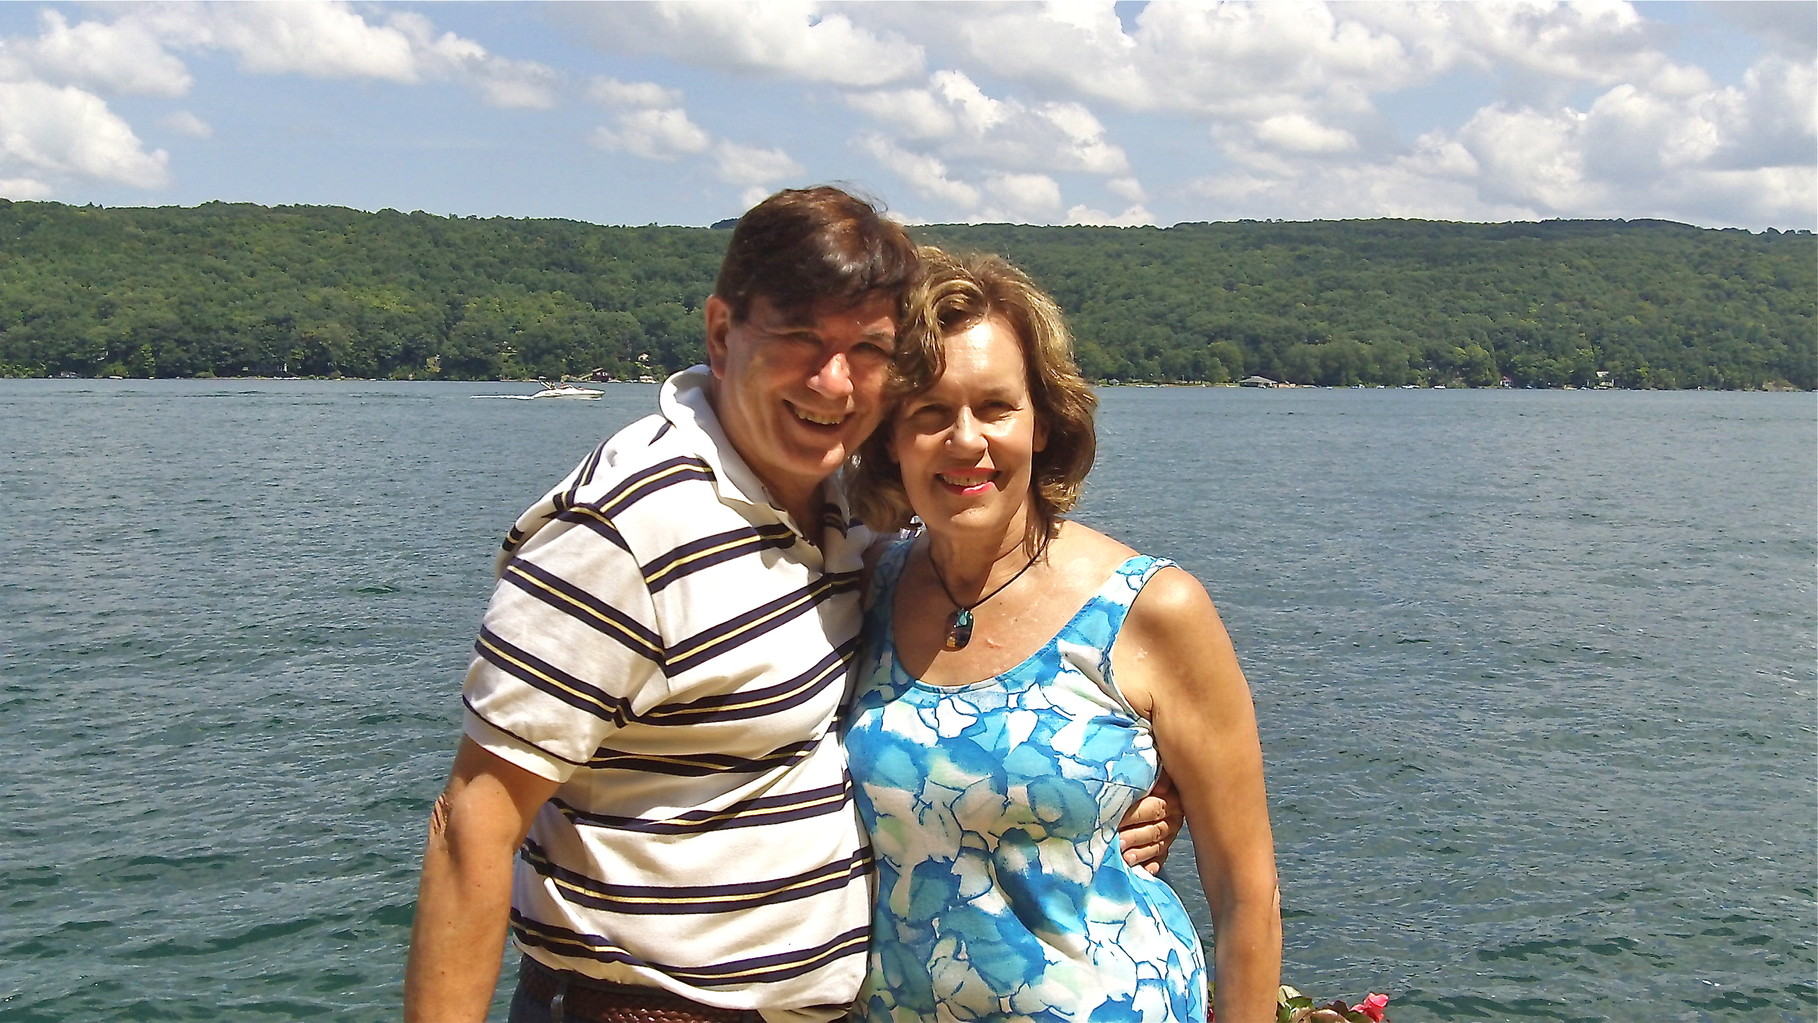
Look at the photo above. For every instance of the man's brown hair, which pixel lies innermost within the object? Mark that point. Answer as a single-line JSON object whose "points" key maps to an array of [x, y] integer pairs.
{"points": [[802, 246]]}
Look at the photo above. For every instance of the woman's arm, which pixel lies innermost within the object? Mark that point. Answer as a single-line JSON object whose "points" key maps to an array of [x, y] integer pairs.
{"points": [[1174, 661]]}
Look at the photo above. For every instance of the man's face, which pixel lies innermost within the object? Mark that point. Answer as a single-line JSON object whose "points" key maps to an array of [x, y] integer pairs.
{"points": [[797, 394]]}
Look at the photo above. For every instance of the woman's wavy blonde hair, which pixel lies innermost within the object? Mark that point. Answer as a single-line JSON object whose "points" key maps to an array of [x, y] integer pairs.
{"points": [[955, 293]]}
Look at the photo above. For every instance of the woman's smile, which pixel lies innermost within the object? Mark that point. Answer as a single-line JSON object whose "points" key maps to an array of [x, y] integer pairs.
{"points": [[968, 484]]}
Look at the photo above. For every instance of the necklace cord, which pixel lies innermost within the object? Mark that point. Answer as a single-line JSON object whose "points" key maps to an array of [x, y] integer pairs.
{"points": [[968, 607]]}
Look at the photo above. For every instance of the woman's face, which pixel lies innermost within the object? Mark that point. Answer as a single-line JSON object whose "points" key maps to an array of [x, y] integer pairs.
{"points": [[966, 446]]}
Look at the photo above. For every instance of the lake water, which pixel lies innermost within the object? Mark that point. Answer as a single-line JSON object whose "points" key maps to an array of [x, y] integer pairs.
{"points": [[1535, 670]]}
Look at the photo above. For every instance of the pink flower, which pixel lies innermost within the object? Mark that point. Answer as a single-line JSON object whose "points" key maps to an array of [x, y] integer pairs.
{"points": [[1375, 1007]]}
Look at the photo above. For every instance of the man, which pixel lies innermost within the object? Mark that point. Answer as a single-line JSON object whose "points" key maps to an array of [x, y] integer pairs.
{"points": [[651, 708]]}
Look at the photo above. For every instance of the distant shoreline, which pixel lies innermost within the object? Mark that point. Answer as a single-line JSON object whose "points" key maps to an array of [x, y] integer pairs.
{"points": [[315, 292], [1772, 387]]}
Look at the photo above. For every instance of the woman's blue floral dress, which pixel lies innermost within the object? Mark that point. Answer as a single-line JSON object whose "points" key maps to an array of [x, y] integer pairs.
{"points": [[992, 808]]}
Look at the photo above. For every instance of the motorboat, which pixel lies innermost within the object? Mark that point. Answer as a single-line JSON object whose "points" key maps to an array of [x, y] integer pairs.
{"points": [[566, 390]]}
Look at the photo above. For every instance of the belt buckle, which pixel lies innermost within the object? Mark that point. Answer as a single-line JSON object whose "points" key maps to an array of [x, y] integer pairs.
{"points": [[558, 1002]]}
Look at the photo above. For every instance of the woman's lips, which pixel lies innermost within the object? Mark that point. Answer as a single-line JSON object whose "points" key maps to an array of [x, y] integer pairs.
{"points": [[969, 483]]}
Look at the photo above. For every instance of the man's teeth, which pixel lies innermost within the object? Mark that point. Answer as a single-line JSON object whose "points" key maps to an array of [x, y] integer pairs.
{"points": [[819, 420]]}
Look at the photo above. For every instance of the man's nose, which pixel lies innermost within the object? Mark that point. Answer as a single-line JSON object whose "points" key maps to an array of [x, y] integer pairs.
{"points": [[834, 377]]}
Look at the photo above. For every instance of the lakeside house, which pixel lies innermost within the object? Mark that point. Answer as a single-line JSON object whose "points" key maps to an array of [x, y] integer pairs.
{"points": [[1258, 381]]}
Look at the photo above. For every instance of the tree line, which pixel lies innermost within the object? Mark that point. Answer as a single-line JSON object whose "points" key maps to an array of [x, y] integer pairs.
{"points": [[240, 290]]}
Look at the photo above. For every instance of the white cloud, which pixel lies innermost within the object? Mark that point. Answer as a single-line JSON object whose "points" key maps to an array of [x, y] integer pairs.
{"points": [[1771, 120], [74, 135], [1128, 189], [654, 135], [1134, 216], [25, 189], [926, 176], [749, 165], [1000, 110], [1299, 133], [185, 123], [1027, 195], [1652, 153], [1531, 158], [1333, 190], [1630, 134], [56, 131], [1767, 195], [652, 124], [1674, 146], [1258, 60], [1077, 48], [953, 119], [333, 40], [502, 83], [514, 85], [1537, 46], [776, 38], [974, 112], [123, 58], [1265, 65], [611, 92], [909, 113], [1085, 139], [321, 40], [753, 195], [1791, 29]]}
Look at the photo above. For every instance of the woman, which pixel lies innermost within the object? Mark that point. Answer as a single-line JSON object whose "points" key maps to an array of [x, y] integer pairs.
{"points": [[1021, 674]]}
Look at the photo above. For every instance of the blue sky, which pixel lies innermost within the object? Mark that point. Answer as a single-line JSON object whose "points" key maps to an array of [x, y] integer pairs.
{"points": [[1041, 113]]}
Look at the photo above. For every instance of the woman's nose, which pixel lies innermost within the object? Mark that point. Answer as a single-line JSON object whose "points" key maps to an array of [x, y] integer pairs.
{"points": [[965, 435]]}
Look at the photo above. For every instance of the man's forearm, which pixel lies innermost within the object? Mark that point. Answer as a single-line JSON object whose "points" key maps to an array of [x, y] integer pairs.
{"points": [[458, 937]]}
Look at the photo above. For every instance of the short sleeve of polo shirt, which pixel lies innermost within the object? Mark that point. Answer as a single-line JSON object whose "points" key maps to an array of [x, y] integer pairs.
{"points": [[569, 646]]}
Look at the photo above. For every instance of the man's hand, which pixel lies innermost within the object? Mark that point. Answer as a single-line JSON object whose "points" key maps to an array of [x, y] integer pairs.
{"points": [[1149, 829]]}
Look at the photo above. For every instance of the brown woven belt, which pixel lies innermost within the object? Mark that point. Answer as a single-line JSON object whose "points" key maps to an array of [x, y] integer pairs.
{"points": [[571, 996]]}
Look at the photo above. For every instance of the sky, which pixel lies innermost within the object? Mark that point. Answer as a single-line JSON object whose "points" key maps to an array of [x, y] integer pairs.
{"points": [[1037, 113]]}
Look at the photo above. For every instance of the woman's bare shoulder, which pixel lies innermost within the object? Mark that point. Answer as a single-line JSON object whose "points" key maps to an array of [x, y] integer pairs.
{"points": [[1174, 598], [1088, 551]]}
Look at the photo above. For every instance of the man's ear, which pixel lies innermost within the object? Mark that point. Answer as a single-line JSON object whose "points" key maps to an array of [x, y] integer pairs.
{"points": [[719, 325]]}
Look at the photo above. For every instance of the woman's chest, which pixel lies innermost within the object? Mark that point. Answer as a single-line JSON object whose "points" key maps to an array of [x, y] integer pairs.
{"points": [[1044, 752]]}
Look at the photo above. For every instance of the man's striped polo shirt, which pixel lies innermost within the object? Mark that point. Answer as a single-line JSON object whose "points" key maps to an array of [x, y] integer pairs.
{"points": [[665, 645]]}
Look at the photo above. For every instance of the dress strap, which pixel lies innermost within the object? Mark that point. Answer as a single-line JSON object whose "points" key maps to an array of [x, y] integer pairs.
{"points": [[886, 571], [1097, 624]]}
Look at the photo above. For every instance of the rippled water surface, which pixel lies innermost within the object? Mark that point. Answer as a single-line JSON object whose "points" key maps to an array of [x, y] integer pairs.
{"points": [[1535, 672]]}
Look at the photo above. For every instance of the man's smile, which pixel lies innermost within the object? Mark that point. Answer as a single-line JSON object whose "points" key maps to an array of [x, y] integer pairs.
{"points": [[816, 418]]}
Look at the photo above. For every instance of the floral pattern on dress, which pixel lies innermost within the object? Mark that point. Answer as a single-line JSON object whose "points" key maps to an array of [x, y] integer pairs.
{"points": [[992, 808]]}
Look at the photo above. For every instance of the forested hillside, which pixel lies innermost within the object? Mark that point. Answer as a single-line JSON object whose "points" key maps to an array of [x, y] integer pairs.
{"points": [[317, 291]]}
